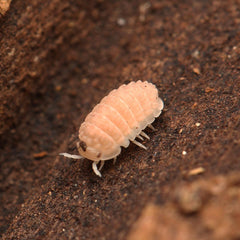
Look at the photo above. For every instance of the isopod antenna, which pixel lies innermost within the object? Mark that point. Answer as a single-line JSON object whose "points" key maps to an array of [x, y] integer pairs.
{"points": [[71, 156]]}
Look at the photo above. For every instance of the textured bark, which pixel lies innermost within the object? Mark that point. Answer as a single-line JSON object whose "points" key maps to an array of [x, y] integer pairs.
{"points": [[59, 58]]}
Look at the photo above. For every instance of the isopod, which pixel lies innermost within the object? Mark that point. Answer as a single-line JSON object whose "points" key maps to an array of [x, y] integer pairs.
{"points": [[119, 118]]}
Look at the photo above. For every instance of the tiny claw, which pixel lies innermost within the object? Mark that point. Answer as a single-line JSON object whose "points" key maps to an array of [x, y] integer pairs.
{"points": [[138, 136], [152, 127], [144, 135], [139, 144], [101, 166]]}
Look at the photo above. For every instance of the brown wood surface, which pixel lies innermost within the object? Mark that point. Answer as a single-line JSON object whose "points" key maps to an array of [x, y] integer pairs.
{"points": [[59, 58]]}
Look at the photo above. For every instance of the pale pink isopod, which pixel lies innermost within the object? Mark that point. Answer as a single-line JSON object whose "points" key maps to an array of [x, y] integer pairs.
{"points": [[118, 119]]}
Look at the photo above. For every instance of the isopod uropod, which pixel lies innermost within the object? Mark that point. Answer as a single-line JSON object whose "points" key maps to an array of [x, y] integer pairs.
{"points": [[118, 119]]}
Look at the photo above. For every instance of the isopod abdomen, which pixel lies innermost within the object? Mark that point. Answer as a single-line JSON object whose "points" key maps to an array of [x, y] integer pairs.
{"points": [[119, 118]]}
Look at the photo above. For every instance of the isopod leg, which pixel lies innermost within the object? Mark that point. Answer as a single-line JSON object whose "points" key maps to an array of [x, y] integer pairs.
{"points": [[144, 135], [114, 160], [95, 169], [152, 127], [139, 144], [138, 136], [101, 166]]}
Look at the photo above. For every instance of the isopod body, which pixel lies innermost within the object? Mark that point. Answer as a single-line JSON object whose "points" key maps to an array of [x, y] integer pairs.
{"points": [[119, 118]]}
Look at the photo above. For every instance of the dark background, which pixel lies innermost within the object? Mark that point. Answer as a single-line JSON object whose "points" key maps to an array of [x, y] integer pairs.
{"points": [[59, 58]]}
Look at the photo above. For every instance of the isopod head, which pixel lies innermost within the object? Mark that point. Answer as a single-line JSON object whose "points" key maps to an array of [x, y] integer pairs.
{"points": [[91, 151], [88, 151]]}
